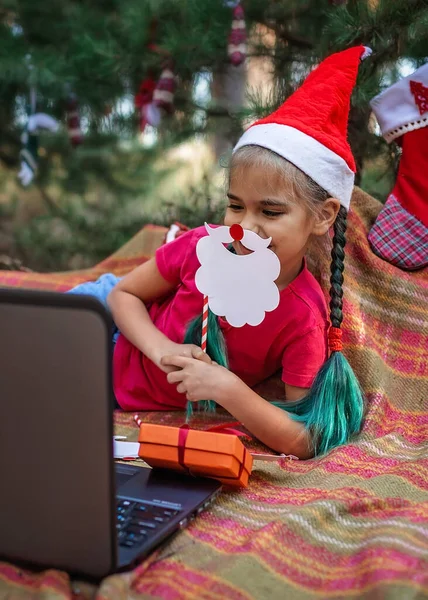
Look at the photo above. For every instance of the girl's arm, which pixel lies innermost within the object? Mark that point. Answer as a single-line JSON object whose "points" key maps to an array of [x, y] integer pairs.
{"points": [[270, 424], [127, 303], [273, 426]]}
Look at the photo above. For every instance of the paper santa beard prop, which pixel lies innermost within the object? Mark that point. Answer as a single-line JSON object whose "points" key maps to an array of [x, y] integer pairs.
{"points": [[239, 287]]}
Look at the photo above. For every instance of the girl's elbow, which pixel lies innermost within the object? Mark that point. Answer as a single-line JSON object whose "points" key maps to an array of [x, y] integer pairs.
{"points": [[112, 299], [301, 446]]}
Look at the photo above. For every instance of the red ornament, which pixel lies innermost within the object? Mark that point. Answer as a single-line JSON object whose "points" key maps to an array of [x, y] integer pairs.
{"points": [[236, 232], [163, 95], [145, 92], [237, 46], [420, 93], [143, 99]]}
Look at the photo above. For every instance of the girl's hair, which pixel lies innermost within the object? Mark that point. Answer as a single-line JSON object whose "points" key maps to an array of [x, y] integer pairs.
{"points": [[300, 185], [332, 411]]}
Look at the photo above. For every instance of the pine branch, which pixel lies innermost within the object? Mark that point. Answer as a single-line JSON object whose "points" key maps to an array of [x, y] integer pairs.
{"points": [[294, 40], [10, 161]]}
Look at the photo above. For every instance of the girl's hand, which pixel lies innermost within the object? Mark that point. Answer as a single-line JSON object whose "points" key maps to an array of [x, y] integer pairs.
{"points": [[199, 379], [179, 350]]}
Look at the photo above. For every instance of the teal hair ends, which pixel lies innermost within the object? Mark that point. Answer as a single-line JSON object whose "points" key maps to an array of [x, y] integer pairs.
{"points": [[216, 350], [333, 409]]}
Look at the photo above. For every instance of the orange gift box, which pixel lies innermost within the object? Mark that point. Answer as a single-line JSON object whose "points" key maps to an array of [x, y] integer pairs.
{"points": [[218, 455]]}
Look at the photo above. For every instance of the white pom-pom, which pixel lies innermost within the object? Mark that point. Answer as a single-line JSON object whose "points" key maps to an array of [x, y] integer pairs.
{"points": [[367, 52]]}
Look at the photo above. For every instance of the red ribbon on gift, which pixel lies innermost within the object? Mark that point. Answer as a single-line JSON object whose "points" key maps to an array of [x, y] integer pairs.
{"points": [[229, 428], [183, 432]]}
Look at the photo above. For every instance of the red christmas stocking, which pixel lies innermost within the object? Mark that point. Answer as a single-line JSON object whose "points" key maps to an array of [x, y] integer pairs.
{"points": [[400, 232]]}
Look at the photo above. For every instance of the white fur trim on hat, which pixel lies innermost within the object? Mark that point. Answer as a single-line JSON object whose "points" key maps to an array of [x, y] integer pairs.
{"points": [[396, 109], [324, 166]]}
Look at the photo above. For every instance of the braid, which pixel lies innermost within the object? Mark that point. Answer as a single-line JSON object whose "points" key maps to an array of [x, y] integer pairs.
{"points": [[337, 267], [333, 409]]}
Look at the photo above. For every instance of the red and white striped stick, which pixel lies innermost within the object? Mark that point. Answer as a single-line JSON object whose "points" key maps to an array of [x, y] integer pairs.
{"points": [[204, 325], [138, 420]]}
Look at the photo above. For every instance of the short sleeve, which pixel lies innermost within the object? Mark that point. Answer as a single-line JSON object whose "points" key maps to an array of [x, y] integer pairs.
{"points": [[171, 257], [303, 358]]}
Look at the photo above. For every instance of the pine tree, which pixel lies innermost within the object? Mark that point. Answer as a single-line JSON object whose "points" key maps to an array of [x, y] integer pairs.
{"points": [[101, 50]]}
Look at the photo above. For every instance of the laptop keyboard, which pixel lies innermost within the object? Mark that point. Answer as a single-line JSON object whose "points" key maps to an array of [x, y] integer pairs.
{"points": [[135, 521]]}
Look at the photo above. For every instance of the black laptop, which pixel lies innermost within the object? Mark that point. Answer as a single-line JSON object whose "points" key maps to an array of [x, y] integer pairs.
{"points": [[63, 501]]}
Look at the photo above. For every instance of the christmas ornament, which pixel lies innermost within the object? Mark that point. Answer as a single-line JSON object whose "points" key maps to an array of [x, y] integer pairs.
{"points": [[163, 96], [143, 101], [239, 287], [154, 99], [237, 46], [30, 140], [400, 232], [73, 121]]}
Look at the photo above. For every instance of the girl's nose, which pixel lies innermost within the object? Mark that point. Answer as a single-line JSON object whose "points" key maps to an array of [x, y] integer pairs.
{"points": [[249, 224]]}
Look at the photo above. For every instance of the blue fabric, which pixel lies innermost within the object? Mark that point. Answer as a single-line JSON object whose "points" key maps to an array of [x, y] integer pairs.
{"points": [[99, 289]]}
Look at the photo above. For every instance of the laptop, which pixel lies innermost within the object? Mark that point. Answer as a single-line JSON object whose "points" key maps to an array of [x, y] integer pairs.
{"points": [[64, 503]]}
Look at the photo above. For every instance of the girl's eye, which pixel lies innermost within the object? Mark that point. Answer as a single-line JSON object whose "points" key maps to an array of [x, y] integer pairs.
{"points": [[271, 213], [235, 207]]}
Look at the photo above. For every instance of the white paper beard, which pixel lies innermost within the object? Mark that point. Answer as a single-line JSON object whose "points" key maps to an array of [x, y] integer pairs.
{"points": [[240, 288]]}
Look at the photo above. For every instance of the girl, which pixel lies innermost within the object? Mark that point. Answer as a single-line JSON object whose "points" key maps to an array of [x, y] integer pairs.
{"points": [[291, 179]]}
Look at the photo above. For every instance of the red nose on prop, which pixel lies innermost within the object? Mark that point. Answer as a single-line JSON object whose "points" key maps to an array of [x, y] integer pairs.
{"points": [[236, 232]]}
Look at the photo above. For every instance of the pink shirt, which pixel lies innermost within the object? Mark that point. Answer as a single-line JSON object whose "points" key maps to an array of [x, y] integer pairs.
{"points": [[292, 337]]}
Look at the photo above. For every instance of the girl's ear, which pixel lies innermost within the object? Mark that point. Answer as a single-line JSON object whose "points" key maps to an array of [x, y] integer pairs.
{"points": [[326, 216]]}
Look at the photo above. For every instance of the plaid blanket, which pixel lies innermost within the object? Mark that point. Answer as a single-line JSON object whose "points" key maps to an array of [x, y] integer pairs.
{"points": [[352, 524]]}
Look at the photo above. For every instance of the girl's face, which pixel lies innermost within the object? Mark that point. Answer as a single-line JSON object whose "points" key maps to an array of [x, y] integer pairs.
{"points": [[259, 201]]}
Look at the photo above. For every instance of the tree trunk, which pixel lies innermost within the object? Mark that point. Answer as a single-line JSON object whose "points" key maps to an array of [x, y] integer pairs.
{"points": [[228, 90]]}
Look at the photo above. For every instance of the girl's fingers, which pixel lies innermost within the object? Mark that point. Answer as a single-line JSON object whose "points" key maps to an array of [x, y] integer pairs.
{"points": [[175, 376], [170, 369], [175, 361], [181, 388], [201, 355]]}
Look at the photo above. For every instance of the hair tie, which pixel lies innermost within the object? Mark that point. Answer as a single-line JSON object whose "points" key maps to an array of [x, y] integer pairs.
{"points": [[335, 339]]}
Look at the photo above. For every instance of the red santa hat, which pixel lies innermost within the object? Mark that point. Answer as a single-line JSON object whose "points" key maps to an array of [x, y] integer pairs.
{"points": [[310, 128]]}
